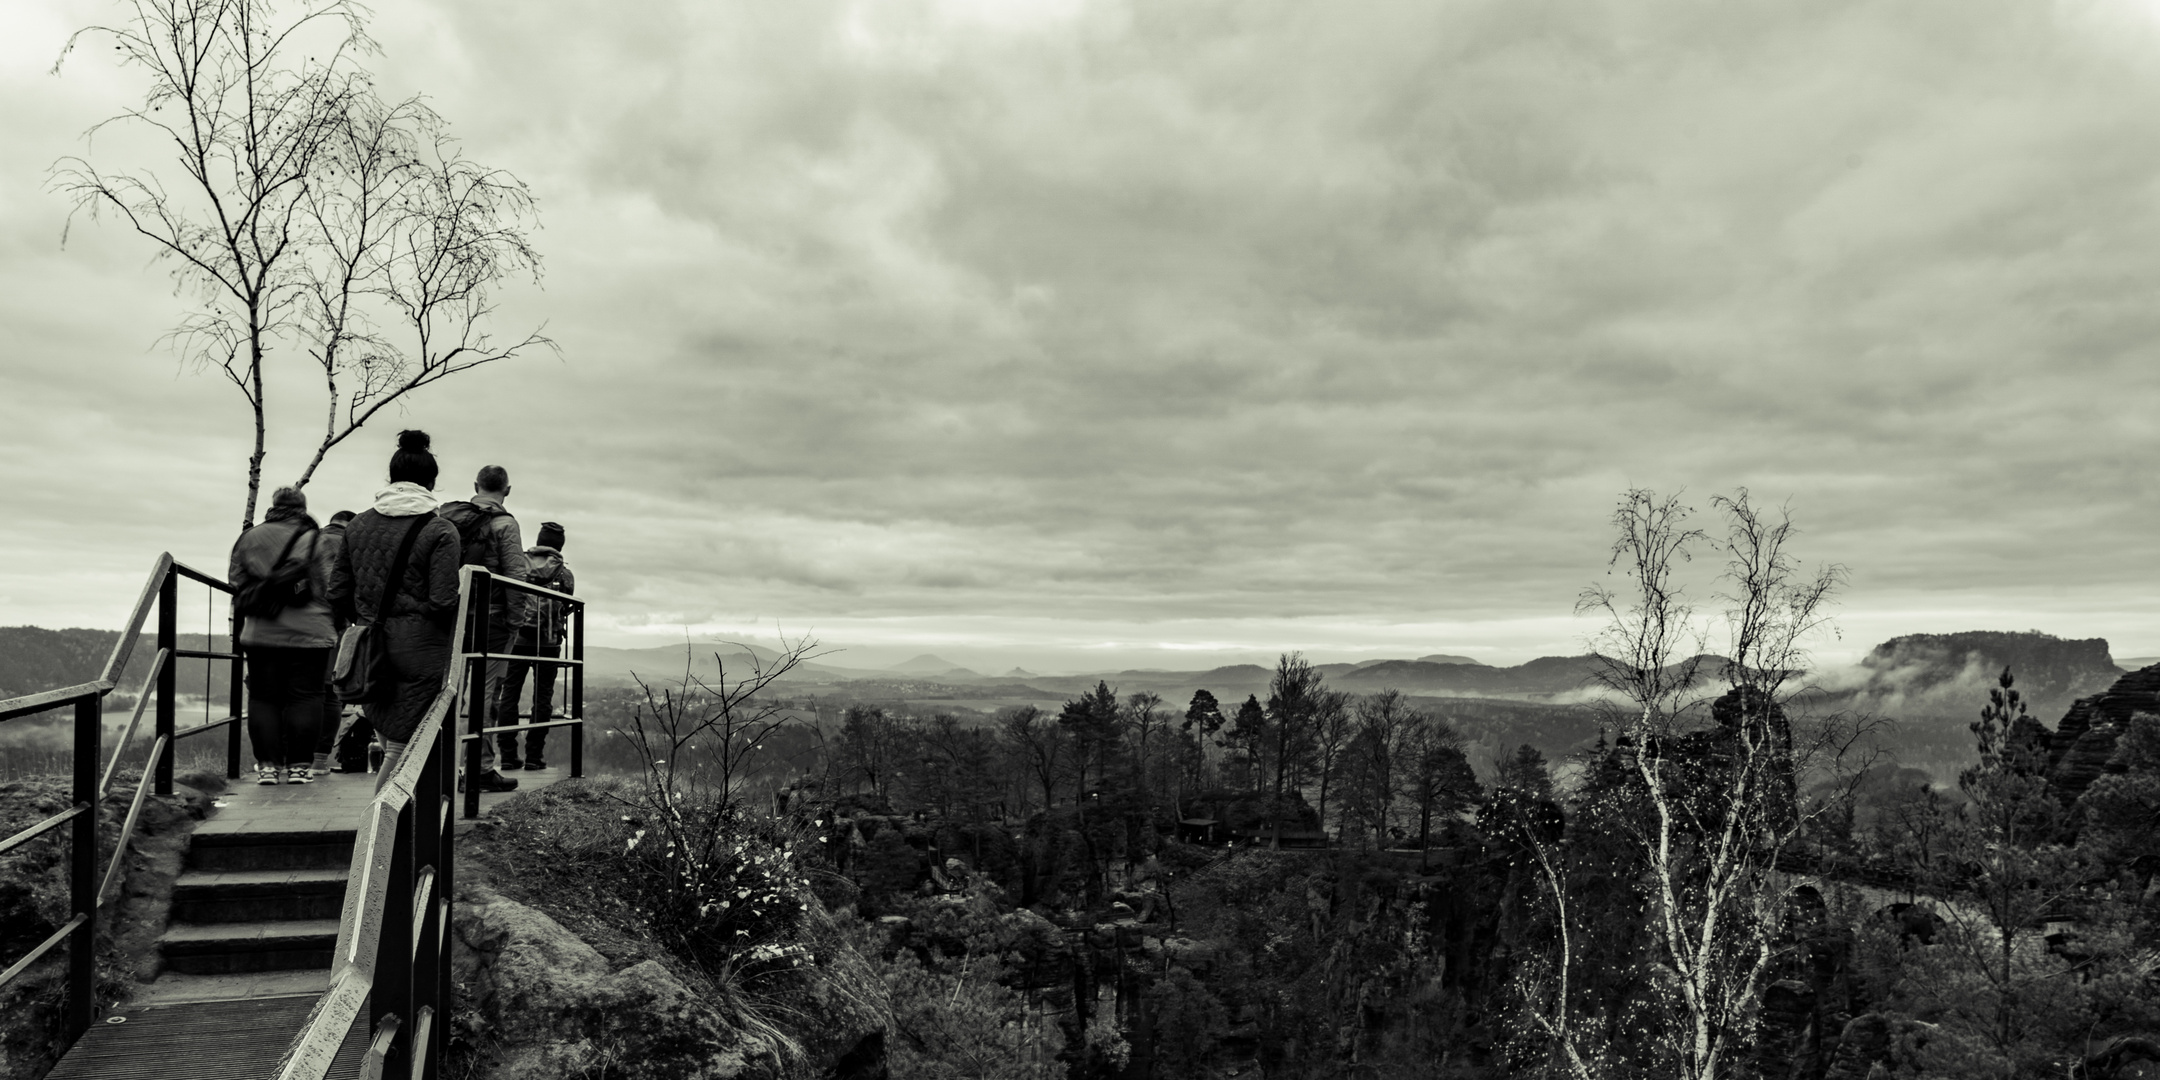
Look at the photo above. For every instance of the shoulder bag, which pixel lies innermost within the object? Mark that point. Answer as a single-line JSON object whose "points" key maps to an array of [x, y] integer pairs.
{"points": [[364, 674]]}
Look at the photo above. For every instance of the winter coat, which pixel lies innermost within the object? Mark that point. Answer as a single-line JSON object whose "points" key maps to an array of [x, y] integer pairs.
{"points": [[430, 588], [297, 626], [423, 607]]}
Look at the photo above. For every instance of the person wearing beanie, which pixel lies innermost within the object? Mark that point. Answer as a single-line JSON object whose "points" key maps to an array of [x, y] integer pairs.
{"points": [[280, 580], [540, 634], [423, 603]]}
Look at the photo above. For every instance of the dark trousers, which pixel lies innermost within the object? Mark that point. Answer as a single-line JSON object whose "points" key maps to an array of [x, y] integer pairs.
{"points": [[543, 710], [285, 701]]}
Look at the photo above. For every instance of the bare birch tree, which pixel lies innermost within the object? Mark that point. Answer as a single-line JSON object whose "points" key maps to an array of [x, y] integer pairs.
{"points": [[302, 214], [1713, 806]]}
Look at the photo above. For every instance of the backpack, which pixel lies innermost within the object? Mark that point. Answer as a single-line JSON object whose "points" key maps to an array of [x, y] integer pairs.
{"points": [[471, 521], [287, 584]]}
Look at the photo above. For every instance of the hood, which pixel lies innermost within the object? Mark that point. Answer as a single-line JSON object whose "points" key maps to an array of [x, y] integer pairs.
{"points": [[404, 499]]}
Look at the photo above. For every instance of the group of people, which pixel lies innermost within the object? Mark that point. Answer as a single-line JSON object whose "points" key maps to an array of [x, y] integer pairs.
{"points": [[394, 568]]}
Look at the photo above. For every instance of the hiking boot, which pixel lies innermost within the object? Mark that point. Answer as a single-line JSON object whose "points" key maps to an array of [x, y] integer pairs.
{"points": [[491, 782], [300, 774], [266, 775]]}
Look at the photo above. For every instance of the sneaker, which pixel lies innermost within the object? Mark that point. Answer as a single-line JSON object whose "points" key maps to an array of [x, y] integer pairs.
{"points": [[266, 775], [300, 774], [534, 765], [322, 763]]}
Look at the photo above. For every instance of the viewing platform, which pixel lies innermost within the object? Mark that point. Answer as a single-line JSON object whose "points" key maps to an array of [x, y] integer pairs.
{"points": [[248, 950], [308, 932]]}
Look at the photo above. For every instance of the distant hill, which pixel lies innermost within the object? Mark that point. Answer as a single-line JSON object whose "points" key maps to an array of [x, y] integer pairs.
{"points": [[1444, 658], [667, 663], [1546, 675], [34, 659], [925, 664]]}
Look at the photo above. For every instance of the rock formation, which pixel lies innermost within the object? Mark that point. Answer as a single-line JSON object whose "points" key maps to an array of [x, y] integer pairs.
{"points": [[2083, 742], [558, 1011]]}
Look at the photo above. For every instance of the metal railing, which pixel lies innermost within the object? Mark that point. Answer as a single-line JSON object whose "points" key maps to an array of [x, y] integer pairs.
{"points": [[478, 632], [393, 948], [87, 890]]}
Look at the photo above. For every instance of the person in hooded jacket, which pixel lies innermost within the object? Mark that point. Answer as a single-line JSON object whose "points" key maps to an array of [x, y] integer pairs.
{"points": [[422, 615], [287, 652], [333, 718]]}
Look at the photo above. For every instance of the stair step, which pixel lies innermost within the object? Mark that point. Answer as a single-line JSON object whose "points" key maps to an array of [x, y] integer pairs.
{"points": [[261, 945], [232, 896], [271, 849]]}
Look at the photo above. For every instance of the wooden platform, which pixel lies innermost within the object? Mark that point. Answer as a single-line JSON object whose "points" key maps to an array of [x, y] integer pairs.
{"points": [[202, 1040], [231, 1021]]}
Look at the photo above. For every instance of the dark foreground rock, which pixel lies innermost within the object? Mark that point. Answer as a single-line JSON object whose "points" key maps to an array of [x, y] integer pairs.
{"points": [[1886, 1042], [547, 1006]]}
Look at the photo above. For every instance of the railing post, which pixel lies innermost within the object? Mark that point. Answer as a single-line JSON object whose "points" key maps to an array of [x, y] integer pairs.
{"points": [[476, 642], [168, 638], [427, 955], [392, 990], [577, 690], [237, 691], [443, 826], [83, 870]]}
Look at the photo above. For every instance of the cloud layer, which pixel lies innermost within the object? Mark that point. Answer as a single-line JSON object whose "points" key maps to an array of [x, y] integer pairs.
{"points": [[1262, 324]]}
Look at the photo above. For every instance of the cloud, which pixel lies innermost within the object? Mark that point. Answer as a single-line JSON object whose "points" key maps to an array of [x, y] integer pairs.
{"points": [[1228, 315]]}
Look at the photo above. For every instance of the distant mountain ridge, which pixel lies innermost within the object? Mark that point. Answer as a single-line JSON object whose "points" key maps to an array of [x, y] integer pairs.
{"points": [[34, 659]]}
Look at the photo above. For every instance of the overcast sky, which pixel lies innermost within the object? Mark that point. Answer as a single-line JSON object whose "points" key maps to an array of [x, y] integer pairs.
{"points": [[1067, 333]]}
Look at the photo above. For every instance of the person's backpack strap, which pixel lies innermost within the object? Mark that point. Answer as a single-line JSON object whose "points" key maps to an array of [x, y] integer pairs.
{"points": [[286, 552], [397, 568]]}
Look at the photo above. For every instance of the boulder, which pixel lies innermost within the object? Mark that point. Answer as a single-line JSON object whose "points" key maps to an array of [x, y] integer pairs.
{"points": [[549, 1007], [1874, 1039], [2129, 1057]]}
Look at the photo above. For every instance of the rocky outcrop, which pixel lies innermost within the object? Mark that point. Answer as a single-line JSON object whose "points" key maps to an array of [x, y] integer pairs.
{"points": [[548, 1006], [2085, 739], [2129, 1057], [1888, 1040], [2049, 669]]}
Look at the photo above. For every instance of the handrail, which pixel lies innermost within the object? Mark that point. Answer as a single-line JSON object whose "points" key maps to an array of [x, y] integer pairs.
{"points": [[164, 656], [41, 828], [542, 591], [127, 830], [86, 891], [215, 582], [48, 699], [44, 947], [125, 647]]}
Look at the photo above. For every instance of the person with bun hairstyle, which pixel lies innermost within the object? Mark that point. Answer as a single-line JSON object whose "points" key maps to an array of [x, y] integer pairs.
{"points": [[421, 620], [279, 583]]}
